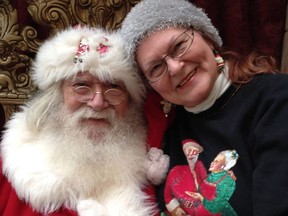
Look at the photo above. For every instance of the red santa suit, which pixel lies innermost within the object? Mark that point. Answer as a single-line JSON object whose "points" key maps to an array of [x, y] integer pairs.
{"points": [[11, 205], [181, 180], [40, 176]]}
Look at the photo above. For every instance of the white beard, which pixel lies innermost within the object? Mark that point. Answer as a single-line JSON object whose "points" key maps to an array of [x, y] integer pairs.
{"points": [[192, 161], [97, 172]]}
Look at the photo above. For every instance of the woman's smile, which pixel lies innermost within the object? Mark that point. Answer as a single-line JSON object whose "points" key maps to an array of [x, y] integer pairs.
{"points": [[187, 79]]}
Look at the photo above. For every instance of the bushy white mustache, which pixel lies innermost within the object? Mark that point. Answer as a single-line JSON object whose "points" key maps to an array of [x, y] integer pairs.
{"points": [[86, 113]]}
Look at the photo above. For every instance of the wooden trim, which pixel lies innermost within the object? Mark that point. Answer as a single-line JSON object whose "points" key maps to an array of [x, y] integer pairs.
{"points": [[284, 61]]}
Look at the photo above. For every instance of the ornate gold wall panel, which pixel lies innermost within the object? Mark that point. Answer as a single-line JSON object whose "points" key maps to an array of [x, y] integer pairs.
{"points": [[18, 46]]}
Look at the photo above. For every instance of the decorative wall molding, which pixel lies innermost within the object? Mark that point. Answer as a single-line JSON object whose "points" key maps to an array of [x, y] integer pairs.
{"points": [[60, 14], [15, 83]]}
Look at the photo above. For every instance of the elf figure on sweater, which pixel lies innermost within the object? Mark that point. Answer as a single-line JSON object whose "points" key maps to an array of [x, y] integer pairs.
{"points": [[189, 191]]}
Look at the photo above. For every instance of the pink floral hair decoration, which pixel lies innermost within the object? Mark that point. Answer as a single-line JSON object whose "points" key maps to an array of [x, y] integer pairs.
{"points": [[103, 47], [84, 48]]}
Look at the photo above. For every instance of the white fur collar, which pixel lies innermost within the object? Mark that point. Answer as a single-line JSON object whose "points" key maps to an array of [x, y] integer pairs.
{"points": [[48, 185]]}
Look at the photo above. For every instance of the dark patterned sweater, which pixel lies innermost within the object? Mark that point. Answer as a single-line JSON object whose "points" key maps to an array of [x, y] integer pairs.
{"points": [[253, 120]]}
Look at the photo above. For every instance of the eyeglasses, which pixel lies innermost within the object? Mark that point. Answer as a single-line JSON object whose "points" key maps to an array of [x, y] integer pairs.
{"points": [[177, 49], [84, 92]]}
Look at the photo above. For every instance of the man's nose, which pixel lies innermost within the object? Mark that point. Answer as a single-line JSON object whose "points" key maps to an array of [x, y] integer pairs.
{"points": [[98, 101], [192, 152]]}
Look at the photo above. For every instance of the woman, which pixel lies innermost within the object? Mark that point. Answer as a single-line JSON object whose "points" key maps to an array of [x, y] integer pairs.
{"points": [[223, 100]]}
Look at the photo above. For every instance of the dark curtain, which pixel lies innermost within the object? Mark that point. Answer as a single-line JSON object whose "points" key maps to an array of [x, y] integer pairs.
{"points": [[249, 25], [244, 25]]}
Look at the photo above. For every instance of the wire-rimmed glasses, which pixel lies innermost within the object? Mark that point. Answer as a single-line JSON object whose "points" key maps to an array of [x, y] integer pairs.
{"points": [[84, 92], [177, 49]]}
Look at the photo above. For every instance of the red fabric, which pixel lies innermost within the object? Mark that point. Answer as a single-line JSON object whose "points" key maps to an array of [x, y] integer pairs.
{"points": [[208, 190], [246, 25], [157, 122], [10, 205], [179, 181]]}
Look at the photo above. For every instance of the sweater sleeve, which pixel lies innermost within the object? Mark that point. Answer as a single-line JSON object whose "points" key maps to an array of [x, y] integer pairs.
{"points": [[11, 205], [167, 192], [224, 190], [5, 189], [270, 138]]}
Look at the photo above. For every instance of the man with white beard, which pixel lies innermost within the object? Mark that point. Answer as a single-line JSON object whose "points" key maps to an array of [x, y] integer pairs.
{"points": [[79, 146], [184, 179]]}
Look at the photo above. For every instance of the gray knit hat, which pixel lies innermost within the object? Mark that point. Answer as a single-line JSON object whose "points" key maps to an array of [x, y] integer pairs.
{"points": [[149, 16]]}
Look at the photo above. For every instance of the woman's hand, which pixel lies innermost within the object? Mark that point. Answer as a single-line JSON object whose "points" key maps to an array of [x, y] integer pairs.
{"points": [[195, 195]]}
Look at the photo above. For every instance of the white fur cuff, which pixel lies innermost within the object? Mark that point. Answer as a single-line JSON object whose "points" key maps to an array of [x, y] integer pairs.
{"points": [[172, 205]]}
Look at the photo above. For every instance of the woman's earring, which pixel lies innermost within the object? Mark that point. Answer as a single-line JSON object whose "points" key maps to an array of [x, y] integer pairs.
{"points": [[219, 60], [167, 106]]}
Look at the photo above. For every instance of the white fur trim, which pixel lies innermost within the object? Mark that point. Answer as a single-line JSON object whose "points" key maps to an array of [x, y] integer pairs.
{"points": [[172, 205], [46, 186], [54, 60], [157, 166]]}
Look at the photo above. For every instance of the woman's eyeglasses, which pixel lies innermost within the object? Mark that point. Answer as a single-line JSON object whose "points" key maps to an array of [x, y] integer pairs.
{"points": [[177, 49]]}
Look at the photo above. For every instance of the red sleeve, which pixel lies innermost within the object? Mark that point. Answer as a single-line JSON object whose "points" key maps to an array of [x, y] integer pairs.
{"points": [[157, 122], [9, 201], [200, 171], [5, 189], [157, 125], [11, 205], [167, 192]]}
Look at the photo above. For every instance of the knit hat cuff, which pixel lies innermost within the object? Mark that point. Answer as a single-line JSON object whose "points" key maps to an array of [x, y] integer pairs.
{"points": [[149, 16]]}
